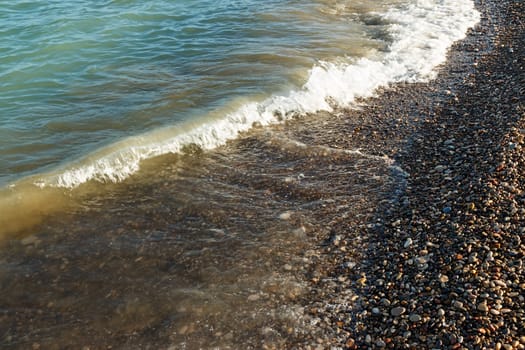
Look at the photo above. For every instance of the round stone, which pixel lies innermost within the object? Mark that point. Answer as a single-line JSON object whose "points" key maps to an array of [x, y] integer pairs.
{"points": [[483, 307], [380, 343], [415, 318], [397, 311], [443, 278]]}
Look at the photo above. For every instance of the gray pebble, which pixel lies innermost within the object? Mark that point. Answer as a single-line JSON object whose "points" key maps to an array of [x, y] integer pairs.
{"points": [[397, 311], [415, 318]]}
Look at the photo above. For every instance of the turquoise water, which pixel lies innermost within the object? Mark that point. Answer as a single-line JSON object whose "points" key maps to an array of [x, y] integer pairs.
{"points": [[91, 91], [76, 76]]}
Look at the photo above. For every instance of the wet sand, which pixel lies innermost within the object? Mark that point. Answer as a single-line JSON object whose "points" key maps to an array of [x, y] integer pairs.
{"points": [[395, 225]]}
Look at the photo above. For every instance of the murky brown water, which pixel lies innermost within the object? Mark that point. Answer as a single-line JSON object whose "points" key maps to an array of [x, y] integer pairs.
{"points": [[207, 250]]}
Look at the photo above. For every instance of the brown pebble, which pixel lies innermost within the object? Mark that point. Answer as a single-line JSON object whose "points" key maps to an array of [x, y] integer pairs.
{"points": [[494, 312], [483, 307], [350, 343]]}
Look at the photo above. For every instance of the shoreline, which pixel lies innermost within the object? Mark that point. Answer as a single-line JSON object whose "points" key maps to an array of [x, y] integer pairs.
{"points": [[393, 56], [442, 260], [366, 228]]}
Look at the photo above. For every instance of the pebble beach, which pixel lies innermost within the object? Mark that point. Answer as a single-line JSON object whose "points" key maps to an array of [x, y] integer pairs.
{"points": [[397, 224], [441, 265]]}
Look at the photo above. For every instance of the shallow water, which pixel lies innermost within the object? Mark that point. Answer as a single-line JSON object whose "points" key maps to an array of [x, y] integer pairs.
{"points": [[134, 213], [107, 86], [77, 76], [213, 251]]}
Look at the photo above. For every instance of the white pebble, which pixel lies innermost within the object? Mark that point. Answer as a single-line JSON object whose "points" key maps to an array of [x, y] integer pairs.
{"points": [[286, 215]]}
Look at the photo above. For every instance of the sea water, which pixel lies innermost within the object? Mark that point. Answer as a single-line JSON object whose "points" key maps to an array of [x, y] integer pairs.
{"points": [[116, 177], [79, 77], [88, 91]]}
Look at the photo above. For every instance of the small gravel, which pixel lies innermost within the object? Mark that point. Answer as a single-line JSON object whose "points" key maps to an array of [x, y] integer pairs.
{"points": [[444, 254]]}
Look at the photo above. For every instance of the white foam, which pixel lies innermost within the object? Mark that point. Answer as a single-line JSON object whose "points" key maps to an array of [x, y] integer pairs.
{"points": [[422, 32]]}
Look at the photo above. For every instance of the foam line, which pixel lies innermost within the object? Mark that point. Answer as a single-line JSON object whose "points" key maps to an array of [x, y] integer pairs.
{"points": [[422, 32]]}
